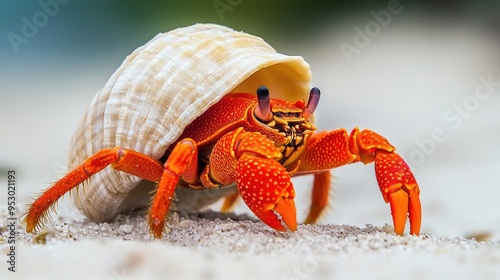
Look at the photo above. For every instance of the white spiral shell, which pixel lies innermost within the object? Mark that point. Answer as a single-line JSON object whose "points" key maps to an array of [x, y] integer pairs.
{"points": [[162, 87]]}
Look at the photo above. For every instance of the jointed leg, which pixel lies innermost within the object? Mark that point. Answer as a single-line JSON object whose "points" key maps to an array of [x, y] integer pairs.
{"points": [[327, 150], [119, 158], [182, 161], [320, 195], [229, 201]]}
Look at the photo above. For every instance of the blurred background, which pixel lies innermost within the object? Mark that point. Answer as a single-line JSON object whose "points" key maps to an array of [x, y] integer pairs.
{"points": [[410, 70]]}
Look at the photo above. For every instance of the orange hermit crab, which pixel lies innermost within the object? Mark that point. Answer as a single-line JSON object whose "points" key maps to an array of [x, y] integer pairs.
{"points": [[178, 112]]}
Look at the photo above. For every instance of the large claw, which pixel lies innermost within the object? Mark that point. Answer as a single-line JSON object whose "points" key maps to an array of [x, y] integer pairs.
{"points": [[266, 188], [400, 189], [250, 159]]}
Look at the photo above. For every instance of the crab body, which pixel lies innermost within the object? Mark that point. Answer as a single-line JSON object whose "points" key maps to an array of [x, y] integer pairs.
{"points": [[205, 136]]}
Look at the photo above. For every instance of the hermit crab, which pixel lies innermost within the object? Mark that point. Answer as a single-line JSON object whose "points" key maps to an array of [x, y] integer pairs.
{"points": [[207, 107]]}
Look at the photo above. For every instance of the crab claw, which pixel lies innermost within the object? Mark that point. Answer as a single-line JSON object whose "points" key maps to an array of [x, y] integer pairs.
{"points": [[266, 188], [400, 189]]}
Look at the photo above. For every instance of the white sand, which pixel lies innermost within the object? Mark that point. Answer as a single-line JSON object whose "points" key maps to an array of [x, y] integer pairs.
{"points": [[210, 245], [423, 71]]}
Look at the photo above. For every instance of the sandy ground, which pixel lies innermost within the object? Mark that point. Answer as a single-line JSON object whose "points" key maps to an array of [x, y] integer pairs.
{"points": [[401, 85], [210, 245]]}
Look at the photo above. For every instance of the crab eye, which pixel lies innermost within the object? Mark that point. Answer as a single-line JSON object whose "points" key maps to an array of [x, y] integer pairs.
{"points": [[263, 110], [312, 103]]}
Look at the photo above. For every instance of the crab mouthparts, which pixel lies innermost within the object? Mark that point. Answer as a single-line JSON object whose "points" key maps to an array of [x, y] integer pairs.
{"points": [[295, 134]]}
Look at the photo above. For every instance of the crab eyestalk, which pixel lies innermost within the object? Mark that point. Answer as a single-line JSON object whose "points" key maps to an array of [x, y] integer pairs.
{"points": [[263, 110], [312, 103]]}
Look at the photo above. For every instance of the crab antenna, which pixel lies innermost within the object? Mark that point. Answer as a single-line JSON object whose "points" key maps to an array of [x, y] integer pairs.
{"points": [[263, 110], [312, 103]]}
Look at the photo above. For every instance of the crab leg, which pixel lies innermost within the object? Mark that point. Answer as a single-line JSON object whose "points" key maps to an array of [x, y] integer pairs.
{"points": [[229, 202], [263, 183], [320, 195], [399, 188], [119, 158], [181, 162]]}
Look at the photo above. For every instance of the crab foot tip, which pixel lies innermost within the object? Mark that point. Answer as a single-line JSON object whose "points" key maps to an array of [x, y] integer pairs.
{"points": [[400, 189]]}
